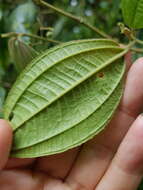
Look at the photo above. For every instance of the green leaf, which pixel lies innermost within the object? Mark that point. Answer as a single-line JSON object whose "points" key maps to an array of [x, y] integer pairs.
{"points": [[77, 135], [21, 53], [65, 96], [133, 13]]}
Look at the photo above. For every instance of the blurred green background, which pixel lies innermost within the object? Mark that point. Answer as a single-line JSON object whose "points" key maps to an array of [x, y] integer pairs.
{"points": [[23, 16]]}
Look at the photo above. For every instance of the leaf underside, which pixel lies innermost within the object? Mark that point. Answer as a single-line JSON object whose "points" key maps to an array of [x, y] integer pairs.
{"points": [[64, 97], [133, 13], [78, 135]]}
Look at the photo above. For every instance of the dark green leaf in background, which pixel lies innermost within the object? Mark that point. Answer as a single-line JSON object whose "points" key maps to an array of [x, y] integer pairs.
{"points": [[133, 13]]}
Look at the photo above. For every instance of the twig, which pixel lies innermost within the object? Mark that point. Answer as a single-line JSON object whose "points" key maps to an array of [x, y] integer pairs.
{"points": [[138, 50], [137, 40], [130, 45], [75, 18], [46, 28], [10, 34]]}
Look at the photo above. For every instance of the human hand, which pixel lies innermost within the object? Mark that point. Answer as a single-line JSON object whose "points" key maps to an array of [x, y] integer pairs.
{"points": [[111, 161]]}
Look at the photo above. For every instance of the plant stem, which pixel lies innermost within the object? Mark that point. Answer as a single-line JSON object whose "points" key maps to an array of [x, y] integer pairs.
{"points": [[138, 50], [80, 20], [10, 34], [130, 45], [137, 40], [46, 28]]}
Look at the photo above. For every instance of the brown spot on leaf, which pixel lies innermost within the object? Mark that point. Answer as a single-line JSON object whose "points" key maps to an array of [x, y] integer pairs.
{"points": [[100, 75]]}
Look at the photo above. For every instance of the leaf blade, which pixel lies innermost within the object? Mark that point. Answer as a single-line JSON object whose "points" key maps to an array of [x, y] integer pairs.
{"points": [[133, 13], [49, 148], [60, 90], [81, 98], [34, 73]]}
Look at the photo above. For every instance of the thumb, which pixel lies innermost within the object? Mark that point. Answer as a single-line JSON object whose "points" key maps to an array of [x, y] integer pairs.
{"points": [[5, 142]]}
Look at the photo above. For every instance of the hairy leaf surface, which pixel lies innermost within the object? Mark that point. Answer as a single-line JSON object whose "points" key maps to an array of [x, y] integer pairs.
{"points": [[65, 97], [75, 136], [133, 13]]}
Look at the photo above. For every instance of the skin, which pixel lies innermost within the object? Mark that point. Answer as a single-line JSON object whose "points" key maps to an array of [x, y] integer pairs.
{"points": [[113, 160]]}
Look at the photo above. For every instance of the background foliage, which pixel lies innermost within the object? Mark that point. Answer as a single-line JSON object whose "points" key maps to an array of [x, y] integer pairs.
{"points": [[24, 17]]}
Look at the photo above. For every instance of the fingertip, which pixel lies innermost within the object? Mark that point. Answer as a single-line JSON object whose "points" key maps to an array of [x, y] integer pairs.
{"points": [[137, 66], [5, 123], [6, 127], [139, 60]]}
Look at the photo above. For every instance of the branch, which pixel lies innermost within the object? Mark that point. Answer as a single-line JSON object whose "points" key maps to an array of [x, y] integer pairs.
{"points": [[75, 18], [137, 40], [10, 34], [46, 28], [138, 50]]}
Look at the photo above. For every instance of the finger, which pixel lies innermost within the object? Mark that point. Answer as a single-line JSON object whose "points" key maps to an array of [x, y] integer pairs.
{"points": [[59, 165], [126, 169], [28, 180], [5, 142], [132, 100], [129, 108], [96, 155], [89, 167]]}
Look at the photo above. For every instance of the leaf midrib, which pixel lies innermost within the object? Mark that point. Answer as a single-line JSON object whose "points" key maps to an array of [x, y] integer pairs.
{"points": [[77, 83], [77, 123], [45, 54], [91, 135]]}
